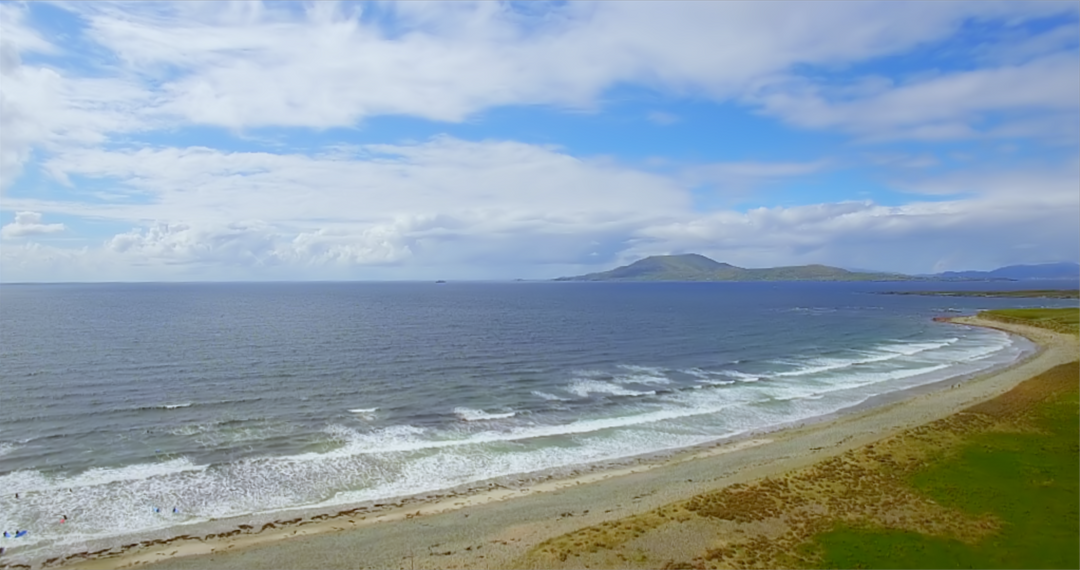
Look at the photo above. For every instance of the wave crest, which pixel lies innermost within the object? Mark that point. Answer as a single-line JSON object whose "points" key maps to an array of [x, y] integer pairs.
{"points": [[471, 415]]}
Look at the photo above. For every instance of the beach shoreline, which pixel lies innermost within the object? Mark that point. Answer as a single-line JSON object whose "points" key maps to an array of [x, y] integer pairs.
{"points": [[629, 486]]}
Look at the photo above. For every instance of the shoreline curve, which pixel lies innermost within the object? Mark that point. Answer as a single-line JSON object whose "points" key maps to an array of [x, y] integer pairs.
{"points": [[453, 523]]}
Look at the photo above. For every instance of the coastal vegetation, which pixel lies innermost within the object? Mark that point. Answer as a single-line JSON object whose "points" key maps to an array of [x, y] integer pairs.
{"points": [[1027, 294], [993, 486], [1060, 320], [1018, 472]]}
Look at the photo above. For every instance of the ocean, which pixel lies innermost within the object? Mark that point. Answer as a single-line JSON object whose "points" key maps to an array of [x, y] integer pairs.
{"points": [[122, 402]]}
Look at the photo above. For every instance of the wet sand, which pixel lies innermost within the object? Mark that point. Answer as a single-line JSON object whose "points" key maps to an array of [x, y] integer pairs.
{"points": [[494, 527]]}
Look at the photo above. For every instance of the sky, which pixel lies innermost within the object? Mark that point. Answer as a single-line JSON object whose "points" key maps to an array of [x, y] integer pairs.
{"points": [[245, 141]]}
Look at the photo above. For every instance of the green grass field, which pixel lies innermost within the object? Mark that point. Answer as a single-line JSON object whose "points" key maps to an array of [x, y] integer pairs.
{"points": [[1061, 320], [1026, 477], [1030, 482]]}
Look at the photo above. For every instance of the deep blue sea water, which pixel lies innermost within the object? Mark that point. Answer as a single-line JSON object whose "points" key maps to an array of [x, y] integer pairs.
{"points": [[228, 399]]}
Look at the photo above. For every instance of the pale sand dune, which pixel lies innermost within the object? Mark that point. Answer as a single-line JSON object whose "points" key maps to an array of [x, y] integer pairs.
{"points": [[494, 528]]}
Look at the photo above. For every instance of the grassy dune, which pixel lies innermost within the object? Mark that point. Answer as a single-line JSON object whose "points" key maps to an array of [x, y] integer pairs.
{"points": [[994, 486], [1060, 320]]}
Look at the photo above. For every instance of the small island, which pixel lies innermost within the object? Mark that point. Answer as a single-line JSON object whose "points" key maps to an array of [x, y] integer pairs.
{"points": [[1027, 294]]}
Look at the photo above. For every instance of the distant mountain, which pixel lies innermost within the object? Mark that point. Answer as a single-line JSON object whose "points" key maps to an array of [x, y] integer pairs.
{"points": [[694, 267], [1018, 272]]}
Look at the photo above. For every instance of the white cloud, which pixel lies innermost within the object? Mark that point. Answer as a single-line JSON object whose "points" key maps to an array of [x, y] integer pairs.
{"points": [[178, 243], [981, 233], [915, 237], [733, 182], [441, 176], [946, 107], [1048, 184], [1007, 216], [392, 209], [260, 65], [448, 202], [251, 64], [27, 224], [440, 202], [43, 107], [256, 244], [16, 33], [1016, 47]]}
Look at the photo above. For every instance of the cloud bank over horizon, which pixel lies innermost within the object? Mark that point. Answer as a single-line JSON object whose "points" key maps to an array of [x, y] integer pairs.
{"points": [[297, 141]]}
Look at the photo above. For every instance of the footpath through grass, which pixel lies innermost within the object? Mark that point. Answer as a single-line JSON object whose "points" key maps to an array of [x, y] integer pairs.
{"points": [[1023, 471]]}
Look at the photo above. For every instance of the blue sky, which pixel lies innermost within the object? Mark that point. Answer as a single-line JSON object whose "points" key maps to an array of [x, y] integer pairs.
{"points": [[247, 141]]}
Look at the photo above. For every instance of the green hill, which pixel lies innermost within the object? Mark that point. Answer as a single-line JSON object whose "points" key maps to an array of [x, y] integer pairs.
{"points": [[694, 267]]}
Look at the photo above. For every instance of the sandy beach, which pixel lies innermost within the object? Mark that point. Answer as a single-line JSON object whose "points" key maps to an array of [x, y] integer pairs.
{"points": [[495, 527]]}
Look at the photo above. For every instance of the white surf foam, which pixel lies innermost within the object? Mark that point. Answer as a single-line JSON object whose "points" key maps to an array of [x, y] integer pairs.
{"points": [[651, 370], [405, 459], [364, 410], [549, 397], [880, 353], [20, 481], [641, 375], [471, 415], [911, 348], [714, 378], [642, 379], [968, 352], [166, 406], [583, 387], [408, 441], [819, 365], [385, 439], [382, 464], [868, 379], [741, 376], [6, 448]]}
